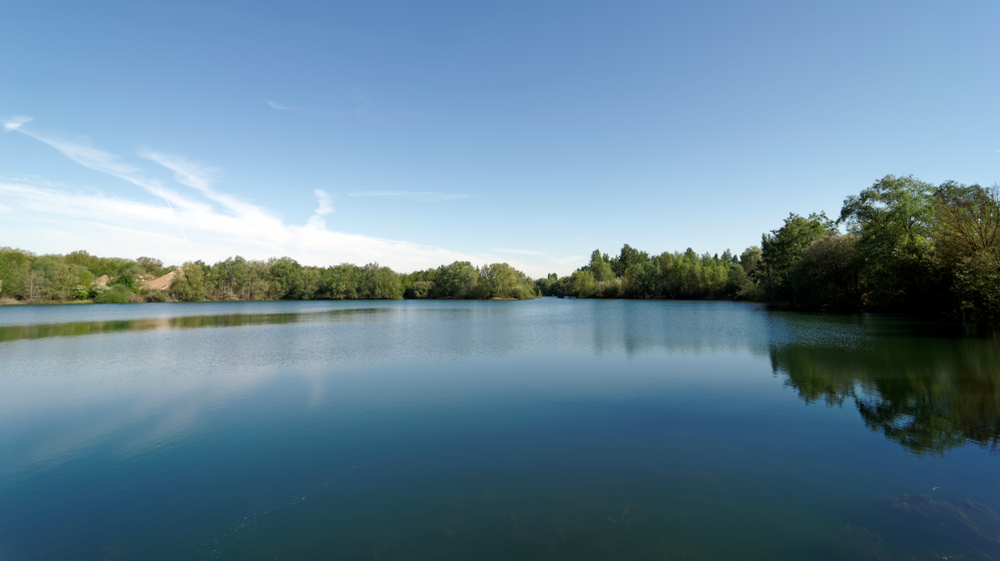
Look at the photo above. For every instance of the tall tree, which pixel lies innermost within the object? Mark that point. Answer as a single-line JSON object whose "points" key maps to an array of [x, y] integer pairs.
{"points": [[893, 219], [783, 248]]}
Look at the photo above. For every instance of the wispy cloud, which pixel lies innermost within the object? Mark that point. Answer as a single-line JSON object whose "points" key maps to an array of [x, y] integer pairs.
{"points": [[48, 217], [200, 177], [523, 252], [15, 122], [576, 260], [98, 160], [325, 202], [282, 107], [420, 195], [325, 207]]}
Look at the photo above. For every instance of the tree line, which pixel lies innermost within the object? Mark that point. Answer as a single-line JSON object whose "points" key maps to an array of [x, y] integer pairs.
{"points": [[901, 245], [28, 277]]}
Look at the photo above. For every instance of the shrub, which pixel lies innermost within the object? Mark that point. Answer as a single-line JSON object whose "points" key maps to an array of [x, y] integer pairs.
{"points": [[157, 296], [80, 292], [127, 280], [96, 290], [117, 294]]}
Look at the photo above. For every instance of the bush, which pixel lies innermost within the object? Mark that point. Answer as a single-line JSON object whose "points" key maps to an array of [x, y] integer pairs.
{"points": [[157, 296], [127, 280], [118, 294], [80, 292], [96, 290]]}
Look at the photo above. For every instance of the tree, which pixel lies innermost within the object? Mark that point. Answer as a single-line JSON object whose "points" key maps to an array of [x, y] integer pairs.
{"points": [[379, 283], [14, 269], [640, 279], [893, 220], [287, 278], [600, 266], [581, 284], [457, 280], [828, 275], [150, 265], [501, 279], [628, 257], [784, 247], [189, 283], [968, 221]]}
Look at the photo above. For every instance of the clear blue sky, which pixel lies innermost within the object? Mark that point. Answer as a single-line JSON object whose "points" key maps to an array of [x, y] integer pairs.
{"points": [[417, 133]]}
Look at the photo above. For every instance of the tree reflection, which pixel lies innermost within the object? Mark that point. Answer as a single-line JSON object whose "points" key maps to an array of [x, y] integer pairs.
{"points": [[15, 332], [930, 394]]}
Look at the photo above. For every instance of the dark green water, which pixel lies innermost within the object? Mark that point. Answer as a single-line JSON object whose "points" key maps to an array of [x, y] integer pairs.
{"points": [[551, 429]]}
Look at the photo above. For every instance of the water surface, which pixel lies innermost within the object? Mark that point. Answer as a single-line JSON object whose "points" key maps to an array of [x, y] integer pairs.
{"points": [[549, 429]]}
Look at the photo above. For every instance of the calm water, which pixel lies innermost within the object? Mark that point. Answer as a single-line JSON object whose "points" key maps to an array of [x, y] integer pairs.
{"points": [[551, 429]]}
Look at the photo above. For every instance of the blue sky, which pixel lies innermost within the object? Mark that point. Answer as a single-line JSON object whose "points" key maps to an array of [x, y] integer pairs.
{"points": [[418, 133]]}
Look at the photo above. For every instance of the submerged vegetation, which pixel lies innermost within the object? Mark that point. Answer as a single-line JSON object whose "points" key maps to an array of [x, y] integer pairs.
{"points": [[901, 245]]}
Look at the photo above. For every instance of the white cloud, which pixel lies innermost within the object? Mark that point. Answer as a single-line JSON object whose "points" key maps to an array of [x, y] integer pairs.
{"points": [[325, 202], [523, 252], [15, 122], [111, 164], [325, 207], [571, 260], [281, 107], [46, 217], [112, 225], [421, 195], [199, 177]]}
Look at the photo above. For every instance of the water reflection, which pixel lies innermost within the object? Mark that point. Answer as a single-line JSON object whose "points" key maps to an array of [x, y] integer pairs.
{"points": [[916, 383], [15, 332], [929, 386], [549, 429]]}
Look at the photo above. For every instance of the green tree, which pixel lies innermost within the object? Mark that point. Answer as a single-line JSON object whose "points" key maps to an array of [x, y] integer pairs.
{"points": [[783, 248], [967, 221], [893, 220], [189, 283], [458, 280], [581, 284], [15, 266], [501, 280], [287, 278], [339, 282], [640, 279], [977, 286], [829, 275], [600, 266], [628, 257], [126, 280], [151, 266], [379, 283]]}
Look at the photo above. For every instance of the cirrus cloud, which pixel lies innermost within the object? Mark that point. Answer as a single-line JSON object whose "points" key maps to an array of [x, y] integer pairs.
{"points": [[202, 222]]}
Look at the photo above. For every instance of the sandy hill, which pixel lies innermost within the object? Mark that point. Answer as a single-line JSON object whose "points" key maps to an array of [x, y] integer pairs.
{"points": [[160, 283]]}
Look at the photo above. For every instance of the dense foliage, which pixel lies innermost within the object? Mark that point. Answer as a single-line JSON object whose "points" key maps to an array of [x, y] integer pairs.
{"points": [[634, 274], [28, 277], [907, 246]]}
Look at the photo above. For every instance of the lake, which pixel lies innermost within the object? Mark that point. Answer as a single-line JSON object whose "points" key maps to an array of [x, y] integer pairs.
{"points": [[545, 429]]}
